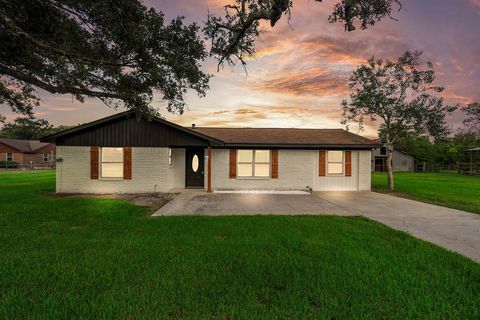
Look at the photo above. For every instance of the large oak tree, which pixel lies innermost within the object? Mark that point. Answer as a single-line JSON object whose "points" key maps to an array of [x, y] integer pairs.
{"points": [[122, 53], [401, 95], [117, 51]]}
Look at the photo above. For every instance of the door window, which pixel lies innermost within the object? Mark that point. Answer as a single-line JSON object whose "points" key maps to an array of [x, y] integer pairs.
{"points": [[195, 163]]}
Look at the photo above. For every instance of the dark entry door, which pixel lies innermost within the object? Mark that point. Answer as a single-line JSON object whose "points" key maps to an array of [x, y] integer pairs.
{"points": [[194, 167]]}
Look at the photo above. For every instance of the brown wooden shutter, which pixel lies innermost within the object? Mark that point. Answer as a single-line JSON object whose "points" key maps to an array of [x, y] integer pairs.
{"points": [[321, 164], [94, 162], [274, 164], [127, 163], [233, 164], [348, 163]]}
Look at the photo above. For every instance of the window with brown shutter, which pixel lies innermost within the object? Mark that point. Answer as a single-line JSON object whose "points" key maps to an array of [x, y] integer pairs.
{"points": [[233, 163], [348, 163], [94, 162], [321, 164], [127, 163], [274, 164]]}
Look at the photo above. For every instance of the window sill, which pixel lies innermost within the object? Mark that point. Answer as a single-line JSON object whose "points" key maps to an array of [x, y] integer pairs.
{"points": [[110, 179], [254, 178]]}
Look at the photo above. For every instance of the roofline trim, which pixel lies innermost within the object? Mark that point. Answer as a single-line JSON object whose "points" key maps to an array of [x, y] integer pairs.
{"points": [[299, 146]]}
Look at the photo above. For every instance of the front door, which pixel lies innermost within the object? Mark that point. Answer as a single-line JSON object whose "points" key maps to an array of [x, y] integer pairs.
{"points": [[194, 168]]}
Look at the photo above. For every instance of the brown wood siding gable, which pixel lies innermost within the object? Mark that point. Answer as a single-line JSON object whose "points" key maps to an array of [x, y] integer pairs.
{"points": [[348, 163], [233, 164], [275, 164], [127, 163], [321, 163], [94, 162]]}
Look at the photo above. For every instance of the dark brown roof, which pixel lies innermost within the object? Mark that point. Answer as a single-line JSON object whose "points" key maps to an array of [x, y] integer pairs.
{"points": [[216, 137], [23, 145], [286, 137]]}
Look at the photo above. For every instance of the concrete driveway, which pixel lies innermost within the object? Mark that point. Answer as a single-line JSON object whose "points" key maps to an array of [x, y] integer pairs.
{"points": [[452, 229]]}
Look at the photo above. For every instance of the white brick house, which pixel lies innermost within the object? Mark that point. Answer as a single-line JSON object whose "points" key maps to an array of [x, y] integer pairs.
{"points": [[120, 154]]}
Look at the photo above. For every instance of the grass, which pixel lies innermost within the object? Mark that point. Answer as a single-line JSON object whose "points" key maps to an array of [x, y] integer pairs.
{"points": [[446, 189], [100, 258]]}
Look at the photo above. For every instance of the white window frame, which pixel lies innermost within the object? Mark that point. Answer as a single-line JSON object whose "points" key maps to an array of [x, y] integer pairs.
{"points": [[11, 157], [169, 156], [253, 163], [101, 162], [342, 162], [46, 157]]}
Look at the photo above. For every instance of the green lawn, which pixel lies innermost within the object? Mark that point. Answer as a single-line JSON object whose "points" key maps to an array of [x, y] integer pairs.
{"points": [[446, 189], [100, 258]]}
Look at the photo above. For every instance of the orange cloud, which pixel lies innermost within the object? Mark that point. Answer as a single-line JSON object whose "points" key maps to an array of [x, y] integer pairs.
{"points": [[315, 82]]}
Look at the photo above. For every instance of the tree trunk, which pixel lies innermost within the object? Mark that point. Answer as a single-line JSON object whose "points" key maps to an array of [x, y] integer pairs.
{"points": [[391, 184]]}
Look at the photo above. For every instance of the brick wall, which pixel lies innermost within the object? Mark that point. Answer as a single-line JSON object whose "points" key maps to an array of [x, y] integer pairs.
{"points": [[24, 159]]}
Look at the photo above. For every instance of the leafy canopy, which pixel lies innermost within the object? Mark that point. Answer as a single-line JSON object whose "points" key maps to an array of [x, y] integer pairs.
{"points": [[122, 53], [401, 95], [116, 51]]}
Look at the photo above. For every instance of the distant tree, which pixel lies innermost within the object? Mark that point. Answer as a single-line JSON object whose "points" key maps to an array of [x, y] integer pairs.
{"points": [[472, 122], [463, 141], [445, 151], [29, 129], [117, 51], [420, 147], [233, 36], [401, 95]]}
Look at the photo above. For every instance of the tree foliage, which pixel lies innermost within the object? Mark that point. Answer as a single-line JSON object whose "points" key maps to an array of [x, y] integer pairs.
{"points": [[122, 53], [233, 36], [116, 51], [472, 122], [401, 96], [447, 151], [29, 129]]}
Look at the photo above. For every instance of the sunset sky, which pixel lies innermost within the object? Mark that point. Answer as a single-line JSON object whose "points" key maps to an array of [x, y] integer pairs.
{"points": [[299, 75]]}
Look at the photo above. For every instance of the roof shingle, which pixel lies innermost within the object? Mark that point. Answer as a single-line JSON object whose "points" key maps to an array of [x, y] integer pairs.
{"points": [[23, 145], [285, 136]]}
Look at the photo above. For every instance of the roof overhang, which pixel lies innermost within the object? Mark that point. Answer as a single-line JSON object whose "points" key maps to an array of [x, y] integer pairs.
{"points": [[301, 146]]}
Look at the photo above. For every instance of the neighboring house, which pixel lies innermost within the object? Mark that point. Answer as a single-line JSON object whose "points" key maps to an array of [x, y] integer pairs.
{"points": [[401, 161], [123, 155], [26, 153]]}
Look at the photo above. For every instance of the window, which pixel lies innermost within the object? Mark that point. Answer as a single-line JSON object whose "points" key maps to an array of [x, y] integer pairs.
{"points": [[112, 163], [9, 157], [253, 163], [169, 157], [45, 157], [335, 162], [383, 151]]}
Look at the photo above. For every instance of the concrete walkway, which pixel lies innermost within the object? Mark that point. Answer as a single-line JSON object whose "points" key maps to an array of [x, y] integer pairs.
{"points": [[452, 229]]}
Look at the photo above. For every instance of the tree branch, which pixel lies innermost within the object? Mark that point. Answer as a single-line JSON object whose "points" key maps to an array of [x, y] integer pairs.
{"points": [[56, 89]]}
